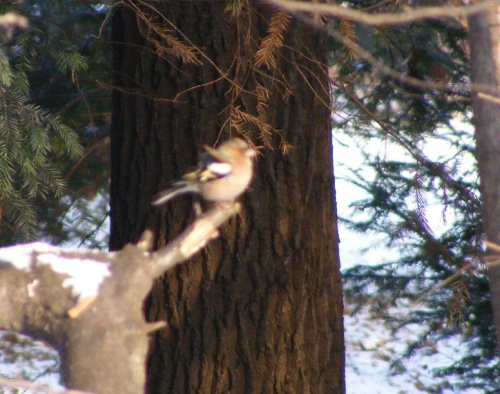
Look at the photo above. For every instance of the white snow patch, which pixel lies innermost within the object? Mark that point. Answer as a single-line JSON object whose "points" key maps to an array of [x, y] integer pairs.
{"points": [[84, 275], [24, 358], [21, 256], [371, 346]]}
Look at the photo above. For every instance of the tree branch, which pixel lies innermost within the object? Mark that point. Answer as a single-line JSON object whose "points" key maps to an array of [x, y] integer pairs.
{"points": [[194, 237], [38, 388], [385, 19]]}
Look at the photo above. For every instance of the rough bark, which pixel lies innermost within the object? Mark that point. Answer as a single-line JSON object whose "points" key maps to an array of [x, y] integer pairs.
{"points": [[105, 347], [485, 61], [41, 315], [103, 350], [261, 309]]}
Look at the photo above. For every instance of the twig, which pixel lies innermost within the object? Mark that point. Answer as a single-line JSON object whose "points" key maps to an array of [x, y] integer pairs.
{"points": [[488, 97], [27, 384], [193, 238], [385, 19]]}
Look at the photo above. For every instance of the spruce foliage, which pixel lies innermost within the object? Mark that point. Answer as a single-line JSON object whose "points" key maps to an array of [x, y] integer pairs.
{"points": [[440, 274], [28, 137], [45, 116]]}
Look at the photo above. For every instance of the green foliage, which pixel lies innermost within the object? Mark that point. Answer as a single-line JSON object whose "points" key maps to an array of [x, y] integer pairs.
{"points": [[27, 169], [440, 267], [49, 100]]}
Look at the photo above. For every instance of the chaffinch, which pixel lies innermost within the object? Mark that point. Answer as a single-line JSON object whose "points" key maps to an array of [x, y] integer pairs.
{"points": [[222, 174]]}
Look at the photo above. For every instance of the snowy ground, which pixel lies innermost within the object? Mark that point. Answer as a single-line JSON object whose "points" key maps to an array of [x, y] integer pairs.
{"points": [[370, 347], [23, 358]]}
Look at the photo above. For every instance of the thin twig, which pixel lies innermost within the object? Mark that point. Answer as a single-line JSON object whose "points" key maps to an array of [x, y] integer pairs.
{"points": [[195, 237], [38, 388], [488, 97], [385, 19], [457, 89]]}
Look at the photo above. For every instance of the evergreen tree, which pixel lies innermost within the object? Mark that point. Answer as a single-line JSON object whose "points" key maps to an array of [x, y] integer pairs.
{"points": [[51, 105], [440, 273]]}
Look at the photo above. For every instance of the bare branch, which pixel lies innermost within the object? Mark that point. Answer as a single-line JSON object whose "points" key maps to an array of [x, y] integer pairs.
{"points": [[460, 91], [466, 195], [488, 97], [194, 237], [26, 384], [40, 284], [385, 19]]}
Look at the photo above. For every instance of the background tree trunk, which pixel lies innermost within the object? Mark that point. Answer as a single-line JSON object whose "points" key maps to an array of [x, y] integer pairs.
{"points": [[485, 61], [261, 309]]}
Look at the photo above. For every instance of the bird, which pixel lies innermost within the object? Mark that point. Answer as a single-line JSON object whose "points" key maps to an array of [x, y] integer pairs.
{"points": [[222, 175]]}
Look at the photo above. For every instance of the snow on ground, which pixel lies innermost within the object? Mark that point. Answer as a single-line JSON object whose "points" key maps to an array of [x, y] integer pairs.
{"points": [[370, 348], [370, 344], [23, 358]]}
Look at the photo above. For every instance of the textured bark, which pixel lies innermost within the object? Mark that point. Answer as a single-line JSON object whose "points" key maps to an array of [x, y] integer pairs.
{"points": [[42, 315], [103, 348], [261, 309], [485, 60]]}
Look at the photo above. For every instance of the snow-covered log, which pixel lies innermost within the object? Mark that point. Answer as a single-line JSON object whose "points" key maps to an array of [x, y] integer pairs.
{"points": [[88, 304]]}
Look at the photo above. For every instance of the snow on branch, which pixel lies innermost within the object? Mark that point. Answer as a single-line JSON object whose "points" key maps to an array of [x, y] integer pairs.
{"points": [[10, 20], [83, 272], [88, 304]]}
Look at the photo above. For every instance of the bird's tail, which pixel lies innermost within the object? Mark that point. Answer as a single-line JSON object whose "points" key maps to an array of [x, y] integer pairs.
{"points": [[166, 195]]}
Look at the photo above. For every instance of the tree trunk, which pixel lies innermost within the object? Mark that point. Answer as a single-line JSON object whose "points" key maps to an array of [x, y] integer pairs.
{"points": [[261, 309], [485, 61]]}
